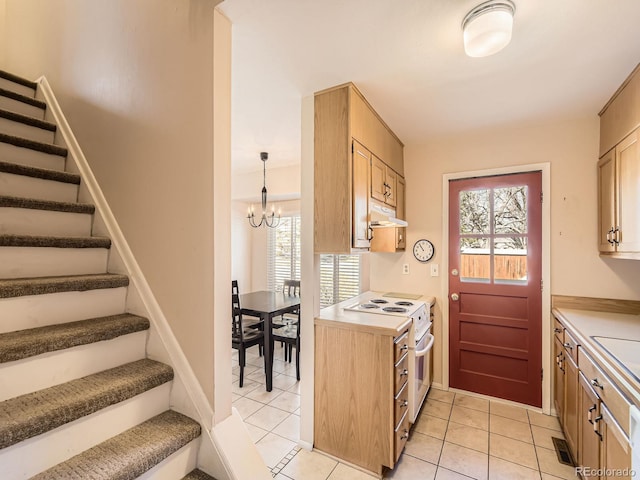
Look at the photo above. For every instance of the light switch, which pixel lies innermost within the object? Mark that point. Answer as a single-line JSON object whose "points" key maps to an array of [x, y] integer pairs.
{"points": [[405, 269], [435, 271]]}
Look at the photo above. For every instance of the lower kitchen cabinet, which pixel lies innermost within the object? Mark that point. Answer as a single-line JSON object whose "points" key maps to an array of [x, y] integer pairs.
{"points": [[361, 395], [592, 411]]}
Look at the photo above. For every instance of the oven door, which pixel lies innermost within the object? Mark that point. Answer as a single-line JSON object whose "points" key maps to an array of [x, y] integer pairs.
{"points": [[422, 372]]}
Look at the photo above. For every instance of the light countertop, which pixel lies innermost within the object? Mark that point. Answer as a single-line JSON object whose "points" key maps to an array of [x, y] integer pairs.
{"points": [[613, 348], [373, 322]]}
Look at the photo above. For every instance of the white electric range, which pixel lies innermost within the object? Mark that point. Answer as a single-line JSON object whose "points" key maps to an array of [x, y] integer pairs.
{"points": [[420, 339]]}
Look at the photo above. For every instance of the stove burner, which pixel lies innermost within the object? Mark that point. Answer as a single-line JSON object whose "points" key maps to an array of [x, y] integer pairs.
{"points": [[368, 306], [404, 303], [378, 300], [394, 309]]}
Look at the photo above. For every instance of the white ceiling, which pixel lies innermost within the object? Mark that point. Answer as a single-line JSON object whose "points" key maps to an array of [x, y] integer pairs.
{"points": [[566, 58]]}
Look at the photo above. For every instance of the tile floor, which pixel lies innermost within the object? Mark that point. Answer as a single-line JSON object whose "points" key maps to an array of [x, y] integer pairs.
{"points": [[457, 437]]}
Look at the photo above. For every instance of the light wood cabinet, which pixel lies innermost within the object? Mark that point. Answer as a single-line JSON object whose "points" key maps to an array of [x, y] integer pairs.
{"points": [[619, 172], [343, 118], [383, 182], [594, 414], [361, 158], [361, 395], [392, 239]]}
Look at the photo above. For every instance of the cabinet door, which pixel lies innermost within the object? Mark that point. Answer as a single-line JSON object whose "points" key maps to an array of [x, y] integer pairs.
{"points": [[589, 439], [570, 418], [361, 176], [606, 201], [628, 193], [378, 174], [391, 179], [616, 451], [400, 213], [558, 378]]}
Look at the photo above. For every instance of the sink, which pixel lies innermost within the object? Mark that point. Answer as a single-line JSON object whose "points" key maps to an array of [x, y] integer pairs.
{"points": [[626, 352]]}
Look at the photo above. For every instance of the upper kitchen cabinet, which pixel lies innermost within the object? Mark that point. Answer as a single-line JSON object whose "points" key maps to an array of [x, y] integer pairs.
{"points": [[353, 148], [619, 173]]}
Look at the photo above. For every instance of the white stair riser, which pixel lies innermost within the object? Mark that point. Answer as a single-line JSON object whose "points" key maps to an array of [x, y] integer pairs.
{"points": [[17, 88], [38, 188], [49, 369], [25, 262], [31, 158], [19, 129], [26, 221], [176, 466], [32, 311], [34, 455], [21, 107]]}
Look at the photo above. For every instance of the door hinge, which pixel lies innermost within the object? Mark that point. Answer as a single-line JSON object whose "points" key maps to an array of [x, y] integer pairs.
{"points": [[542, 374], [542, 285], [352, 149], [541, 197]]}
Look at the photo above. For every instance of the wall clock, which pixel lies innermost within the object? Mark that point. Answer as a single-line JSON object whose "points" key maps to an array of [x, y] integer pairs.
{"points": [[423, 250]]}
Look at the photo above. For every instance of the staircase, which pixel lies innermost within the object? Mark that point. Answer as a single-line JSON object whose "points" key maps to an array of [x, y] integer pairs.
{"points": [[79, 396]]}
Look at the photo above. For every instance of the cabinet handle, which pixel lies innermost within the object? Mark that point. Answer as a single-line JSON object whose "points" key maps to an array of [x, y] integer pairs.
{"points": [[404, 347], [595, 426], [597, 384], [404, 372], [370, 236], [405, 434], [610, 235], [557, 330], [589, 412], [616, 236], [567, 345], [404, 404]]}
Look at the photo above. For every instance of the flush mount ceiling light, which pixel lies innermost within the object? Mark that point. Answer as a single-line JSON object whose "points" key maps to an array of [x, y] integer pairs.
{"points": [[487, 27]]}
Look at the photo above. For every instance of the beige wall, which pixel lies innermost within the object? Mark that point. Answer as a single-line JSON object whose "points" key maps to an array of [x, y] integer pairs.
{"points": [[283, 183], [571, 147], [135, 82]]}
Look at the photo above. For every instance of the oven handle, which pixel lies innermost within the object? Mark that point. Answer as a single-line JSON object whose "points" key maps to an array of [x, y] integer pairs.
{"points": [[425, 350]]}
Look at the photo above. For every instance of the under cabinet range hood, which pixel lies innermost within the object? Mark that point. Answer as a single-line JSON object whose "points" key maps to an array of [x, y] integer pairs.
{"points": [[384, 217]]}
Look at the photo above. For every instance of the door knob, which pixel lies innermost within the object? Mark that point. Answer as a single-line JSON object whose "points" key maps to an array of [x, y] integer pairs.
{"points": [[455, 297], [454, 272]]}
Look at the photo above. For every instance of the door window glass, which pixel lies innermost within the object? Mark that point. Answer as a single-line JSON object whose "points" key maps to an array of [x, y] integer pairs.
{"points": [[475, 265], [474, 211]]}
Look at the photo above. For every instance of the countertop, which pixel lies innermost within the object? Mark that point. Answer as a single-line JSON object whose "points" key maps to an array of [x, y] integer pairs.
{"points": [[336, 315], [588, 324]]}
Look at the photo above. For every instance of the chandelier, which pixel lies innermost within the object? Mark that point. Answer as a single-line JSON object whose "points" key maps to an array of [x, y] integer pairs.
{"points": [[270, 220]]}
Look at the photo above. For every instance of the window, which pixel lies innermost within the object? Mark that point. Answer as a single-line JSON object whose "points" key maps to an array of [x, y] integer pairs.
{"points": [[339, 274], [339, 278], [283, 253]]}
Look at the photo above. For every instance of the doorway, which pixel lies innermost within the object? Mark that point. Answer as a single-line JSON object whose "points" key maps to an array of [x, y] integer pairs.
{"points": [[495, 286]]}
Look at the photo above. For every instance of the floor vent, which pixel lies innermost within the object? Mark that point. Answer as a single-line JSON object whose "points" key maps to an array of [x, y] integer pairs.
{"points": [[562, 451]]}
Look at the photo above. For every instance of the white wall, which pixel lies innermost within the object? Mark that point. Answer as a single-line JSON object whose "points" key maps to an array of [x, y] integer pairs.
{"points": [[135, 80], [283, 183], [571, 146]]}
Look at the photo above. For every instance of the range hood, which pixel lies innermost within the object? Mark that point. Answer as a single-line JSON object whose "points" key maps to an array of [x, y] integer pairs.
{"points": [[384, 217]]}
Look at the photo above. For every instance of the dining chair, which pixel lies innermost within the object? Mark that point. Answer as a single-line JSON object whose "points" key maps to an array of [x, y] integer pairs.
{"points": [[243, 337], [289, 335], [247, 320]]}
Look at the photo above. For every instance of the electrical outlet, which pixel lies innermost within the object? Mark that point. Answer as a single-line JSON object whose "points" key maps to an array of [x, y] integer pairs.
{"points": [[405, 269], [434, 270]]}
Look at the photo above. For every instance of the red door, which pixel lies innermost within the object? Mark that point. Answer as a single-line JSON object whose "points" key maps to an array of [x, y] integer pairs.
{"points": [[495, 286]]}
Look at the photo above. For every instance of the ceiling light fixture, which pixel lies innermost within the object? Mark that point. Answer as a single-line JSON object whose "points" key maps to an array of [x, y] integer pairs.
{"points": [[270, 220], [487, 27]]}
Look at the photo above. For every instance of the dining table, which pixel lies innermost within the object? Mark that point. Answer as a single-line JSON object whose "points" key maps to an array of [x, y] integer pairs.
{"points": [[266, 305]]}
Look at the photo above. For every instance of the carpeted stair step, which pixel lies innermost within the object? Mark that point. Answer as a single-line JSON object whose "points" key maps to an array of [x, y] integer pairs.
{"points": [[42, 173], [72, 283], [35, 413], [19, 103], [30, 128], [130, 454], [198, 475], [29, 216], [36, 341], [21, 142], [33, 204], [37, 183], [19, 80], [54, 242]]}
